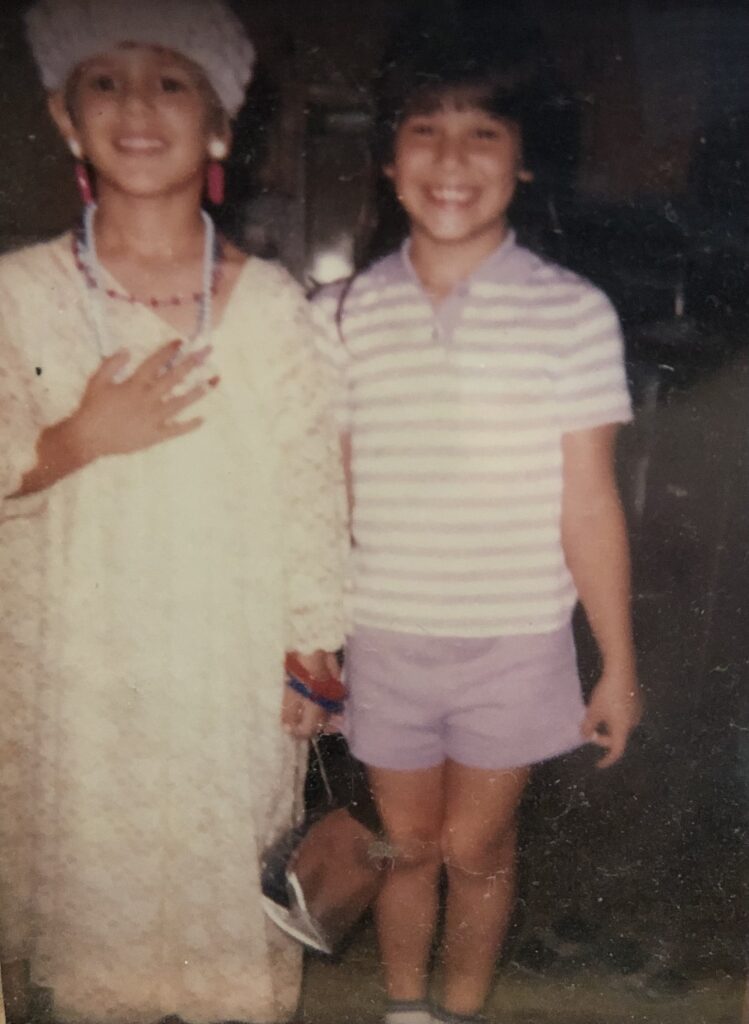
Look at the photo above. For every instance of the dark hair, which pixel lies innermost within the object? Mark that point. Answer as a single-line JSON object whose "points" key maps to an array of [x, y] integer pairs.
{"points": [[487, 58]]}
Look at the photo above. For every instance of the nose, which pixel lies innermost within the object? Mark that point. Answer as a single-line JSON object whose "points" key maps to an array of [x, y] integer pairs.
{"points": [[137, 96], [450, 150]]}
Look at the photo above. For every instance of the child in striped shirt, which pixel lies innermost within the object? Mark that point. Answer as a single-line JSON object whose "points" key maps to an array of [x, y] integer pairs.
{"points": [[481, 391]]}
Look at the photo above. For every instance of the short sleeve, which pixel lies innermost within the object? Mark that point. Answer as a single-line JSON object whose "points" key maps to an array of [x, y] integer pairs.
{"points": [[592, 383], [331, 346]]}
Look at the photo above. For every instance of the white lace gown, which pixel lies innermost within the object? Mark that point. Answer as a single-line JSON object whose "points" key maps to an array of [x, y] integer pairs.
{"points": [[147, 602]]}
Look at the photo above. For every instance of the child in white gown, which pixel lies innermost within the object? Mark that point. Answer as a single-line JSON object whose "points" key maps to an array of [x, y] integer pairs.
{"points": [[156, 569]]}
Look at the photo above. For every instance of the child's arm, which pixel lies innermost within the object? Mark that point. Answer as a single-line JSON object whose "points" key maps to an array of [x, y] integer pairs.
{"points": [[313, 496], [595, 545], [348, 478], [116, 417]]}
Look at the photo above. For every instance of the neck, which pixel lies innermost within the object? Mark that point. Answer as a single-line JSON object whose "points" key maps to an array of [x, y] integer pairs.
{"points": [[150, 229], [441, 266]]}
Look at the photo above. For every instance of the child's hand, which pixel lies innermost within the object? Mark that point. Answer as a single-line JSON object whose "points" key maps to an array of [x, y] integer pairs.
{"points": [[117, 417], [615, 708], [300, 717], [320, 664]]}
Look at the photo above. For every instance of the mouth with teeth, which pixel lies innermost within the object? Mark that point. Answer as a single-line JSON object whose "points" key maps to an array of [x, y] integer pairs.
{"points": [[140, 145], [451, 195]]}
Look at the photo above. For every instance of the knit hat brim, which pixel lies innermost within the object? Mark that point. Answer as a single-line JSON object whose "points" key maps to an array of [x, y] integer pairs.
{"points": [[64, 33]]}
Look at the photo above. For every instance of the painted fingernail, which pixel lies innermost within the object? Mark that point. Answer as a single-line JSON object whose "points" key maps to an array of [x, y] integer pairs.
{"points": [[201, 356], [213, 382]]}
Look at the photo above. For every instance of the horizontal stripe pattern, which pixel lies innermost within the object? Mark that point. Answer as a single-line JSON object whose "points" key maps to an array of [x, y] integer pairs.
{"points": [[457, 416]]}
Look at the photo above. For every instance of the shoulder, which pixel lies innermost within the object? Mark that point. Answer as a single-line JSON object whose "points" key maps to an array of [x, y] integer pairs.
{"points": [[577, 318], [36, 262], [270, 303], [267, 284], [553, 285], [271, 317], [38, 285]]}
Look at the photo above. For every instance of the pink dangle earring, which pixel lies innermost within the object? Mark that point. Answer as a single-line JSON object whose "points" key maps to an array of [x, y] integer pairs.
{"points": [[215, 180], [82, 179]]}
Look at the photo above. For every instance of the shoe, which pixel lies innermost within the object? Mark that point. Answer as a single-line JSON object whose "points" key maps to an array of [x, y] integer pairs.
{"points": [[444, 1017], [408, 1013], [282, 897], [287, 908]]}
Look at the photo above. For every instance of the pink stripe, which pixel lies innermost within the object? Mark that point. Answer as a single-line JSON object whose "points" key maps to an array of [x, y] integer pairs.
{"points": [[498, 400], [506, 435], [501, 526], [437, 600], [611, 396], [401, 327], [493, 624], [447, 578], [535, 298], [598, 346], [525, 501], [477, 551], [459, 477], [452, 371], [540, 325]]}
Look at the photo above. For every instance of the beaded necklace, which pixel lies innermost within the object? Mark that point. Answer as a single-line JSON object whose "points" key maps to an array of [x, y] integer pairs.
{"points": [[87, 261]]}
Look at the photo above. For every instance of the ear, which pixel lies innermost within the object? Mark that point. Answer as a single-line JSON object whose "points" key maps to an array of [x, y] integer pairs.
{"points": [[219, 129], [60, 114], [389, 171], [526, 176], [218, 148], [220, 142]]}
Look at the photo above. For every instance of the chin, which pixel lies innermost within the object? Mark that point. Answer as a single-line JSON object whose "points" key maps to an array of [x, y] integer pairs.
{"points": [[456, 235], [148, 187]]}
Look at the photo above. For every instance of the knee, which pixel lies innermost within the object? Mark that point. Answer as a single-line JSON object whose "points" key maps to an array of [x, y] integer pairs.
{"points": [[419, 849], [467, 852]]}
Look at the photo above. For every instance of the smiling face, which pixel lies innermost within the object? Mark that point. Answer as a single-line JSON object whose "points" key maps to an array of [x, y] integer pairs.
{"points": [[455, 169], [143, 117]]}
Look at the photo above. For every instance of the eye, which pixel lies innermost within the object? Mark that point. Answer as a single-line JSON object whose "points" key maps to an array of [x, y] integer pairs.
{"points": [[421, 128], [103, 83], [488, 132], [172, 84]]}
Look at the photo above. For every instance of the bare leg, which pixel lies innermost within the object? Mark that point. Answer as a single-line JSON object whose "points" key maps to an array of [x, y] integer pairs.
{"points": [[410, 805], [479, 847]]}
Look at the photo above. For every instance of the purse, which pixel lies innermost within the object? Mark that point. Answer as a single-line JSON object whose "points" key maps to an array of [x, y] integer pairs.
{"points": [[320, 877]]}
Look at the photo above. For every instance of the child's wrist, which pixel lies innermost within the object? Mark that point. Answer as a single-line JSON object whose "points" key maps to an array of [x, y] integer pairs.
{"points": [[621, 678], [327, 692], [76, 441], [333, 707]]}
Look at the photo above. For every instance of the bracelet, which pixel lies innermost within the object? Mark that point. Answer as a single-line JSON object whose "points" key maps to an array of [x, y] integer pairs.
{"points": [[333, 707], [328, 685]]}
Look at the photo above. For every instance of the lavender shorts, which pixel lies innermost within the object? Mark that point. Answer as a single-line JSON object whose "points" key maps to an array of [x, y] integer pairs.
{"points": [[494, 703]]}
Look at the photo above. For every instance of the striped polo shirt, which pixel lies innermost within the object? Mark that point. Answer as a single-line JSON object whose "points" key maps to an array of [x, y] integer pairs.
{"points": [[456, 413]]}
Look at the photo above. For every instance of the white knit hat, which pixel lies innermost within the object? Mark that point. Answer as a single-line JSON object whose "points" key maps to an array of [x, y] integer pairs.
{"points": [[63, 33]]}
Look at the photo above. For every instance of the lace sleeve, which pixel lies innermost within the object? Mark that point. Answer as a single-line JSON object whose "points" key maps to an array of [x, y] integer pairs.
{"points": [[315, 537], [20, 426]]}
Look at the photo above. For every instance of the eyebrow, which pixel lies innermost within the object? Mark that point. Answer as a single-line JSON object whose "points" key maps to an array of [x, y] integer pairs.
{"points": [[460, 108], [109, 63]]}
